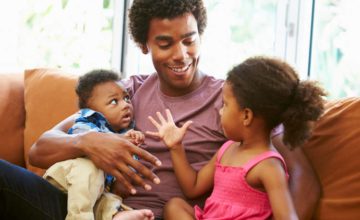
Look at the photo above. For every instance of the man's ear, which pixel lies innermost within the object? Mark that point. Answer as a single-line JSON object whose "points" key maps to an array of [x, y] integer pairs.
{"points": [[144, 48], [248, 116]]}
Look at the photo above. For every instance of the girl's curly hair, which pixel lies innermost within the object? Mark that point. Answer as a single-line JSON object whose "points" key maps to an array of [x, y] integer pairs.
{"points": [[272, 90]]}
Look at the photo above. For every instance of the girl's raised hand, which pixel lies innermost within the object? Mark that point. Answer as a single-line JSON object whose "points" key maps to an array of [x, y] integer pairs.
{"points": [[167, 130]]}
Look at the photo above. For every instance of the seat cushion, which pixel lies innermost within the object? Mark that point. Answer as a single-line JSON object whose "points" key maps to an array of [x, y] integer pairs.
{"points": [[334, 151], [49, 98]]}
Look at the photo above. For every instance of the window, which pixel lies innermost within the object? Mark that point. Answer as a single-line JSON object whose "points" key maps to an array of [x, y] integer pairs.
{"points": [[335, 59], [318, 38], [74, 35], [238, 29]]}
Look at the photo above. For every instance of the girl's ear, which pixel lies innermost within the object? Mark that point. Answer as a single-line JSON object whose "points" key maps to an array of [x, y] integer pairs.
{"points": [[248, 116], [144, 48]]}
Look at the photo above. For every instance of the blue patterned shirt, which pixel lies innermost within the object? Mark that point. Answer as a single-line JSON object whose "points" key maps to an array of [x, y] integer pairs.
{"points": [[90, 120]]}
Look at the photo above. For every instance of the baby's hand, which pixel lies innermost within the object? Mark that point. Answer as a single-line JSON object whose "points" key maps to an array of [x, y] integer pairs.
{"points": [[167, 130], [136, 137]]}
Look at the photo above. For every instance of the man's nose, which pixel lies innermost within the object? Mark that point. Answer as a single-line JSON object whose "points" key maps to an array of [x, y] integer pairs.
{"points": [[180, 52]]}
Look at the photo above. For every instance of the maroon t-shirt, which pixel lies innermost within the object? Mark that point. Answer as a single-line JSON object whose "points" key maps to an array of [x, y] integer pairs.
{"points": [[203, 138]]}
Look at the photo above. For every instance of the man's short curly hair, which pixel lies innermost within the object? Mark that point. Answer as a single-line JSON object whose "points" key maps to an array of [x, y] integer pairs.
{"points": [[89, 80], [142, 11]]}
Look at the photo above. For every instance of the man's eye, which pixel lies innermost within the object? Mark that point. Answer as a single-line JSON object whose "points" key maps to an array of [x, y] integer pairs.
{"points": [[164, 46], [190, 42], [113, 102], [127, 99]]}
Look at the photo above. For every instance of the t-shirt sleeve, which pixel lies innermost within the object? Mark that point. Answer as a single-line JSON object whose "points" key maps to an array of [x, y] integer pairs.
{"points": [[277, 131], [133, 83]]}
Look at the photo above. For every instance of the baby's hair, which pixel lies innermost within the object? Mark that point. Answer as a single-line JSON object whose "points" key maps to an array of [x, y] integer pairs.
{"points": [[143, 11], [272, 90], [89, 80]]}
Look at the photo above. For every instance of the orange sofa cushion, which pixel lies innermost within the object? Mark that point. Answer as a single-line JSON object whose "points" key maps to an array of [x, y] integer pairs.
{"points": [[334, 151], [49, 98], [12, 118]]}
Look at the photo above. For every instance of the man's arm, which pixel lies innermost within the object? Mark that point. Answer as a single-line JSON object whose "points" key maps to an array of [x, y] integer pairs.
{"points": [[55, 145], [304, 184], [110, 152]]}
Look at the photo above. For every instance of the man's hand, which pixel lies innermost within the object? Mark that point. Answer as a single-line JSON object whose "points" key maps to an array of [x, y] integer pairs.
{"points": [[167, 130], [114, 154]]}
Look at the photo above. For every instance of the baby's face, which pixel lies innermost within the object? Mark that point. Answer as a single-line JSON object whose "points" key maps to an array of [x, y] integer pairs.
{"points": [[112, 100]]}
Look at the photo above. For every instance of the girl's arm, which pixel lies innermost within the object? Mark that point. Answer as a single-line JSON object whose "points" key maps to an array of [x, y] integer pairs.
{"points": [[273, 178], [192, 183]]}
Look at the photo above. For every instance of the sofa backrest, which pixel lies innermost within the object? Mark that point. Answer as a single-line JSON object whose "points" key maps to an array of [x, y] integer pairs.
{"points": [[334, 151], [49, 98], [12, 118]]}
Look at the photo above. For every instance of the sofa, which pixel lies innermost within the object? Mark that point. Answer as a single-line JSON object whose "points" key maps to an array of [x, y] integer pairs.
{"points": [[33, 101]]}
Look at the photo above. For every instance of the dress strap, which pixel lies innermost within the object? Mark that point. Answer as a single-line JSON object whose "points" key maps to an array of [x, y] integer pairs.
{"points": [[268, 154], [222, 149]]}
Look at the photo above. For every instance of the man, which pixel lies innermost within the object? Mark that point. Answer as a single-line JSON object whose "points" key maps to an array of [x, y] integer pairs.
{"points": [[170, 31]]}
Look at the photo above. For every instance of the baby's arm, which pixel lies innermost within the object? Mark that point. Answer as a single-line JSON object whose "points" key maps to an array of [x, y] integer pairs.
{"points": [[193, 183], [273, 178]]}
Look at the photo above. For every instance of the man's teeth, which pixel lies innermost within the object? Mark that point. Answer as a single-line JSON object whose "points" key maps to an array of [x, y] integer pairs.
{"points": [[178, 69]]}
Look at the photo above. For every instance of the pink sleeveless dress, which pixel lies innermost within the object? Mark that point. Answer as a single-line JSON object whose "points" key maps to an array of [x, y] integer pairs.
{"points": [[232, 197]]}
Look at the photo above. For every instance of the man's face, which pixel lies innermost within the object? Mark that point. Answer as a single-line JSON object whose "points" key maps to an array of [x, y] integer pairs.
{"points": [[112, 100], [174, 48]]}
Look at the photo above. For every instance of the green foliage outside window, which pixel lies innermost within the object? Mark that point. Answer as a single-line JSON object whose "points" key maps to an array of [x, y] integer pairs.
{"points": [[66, 34], [335, 60]]}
